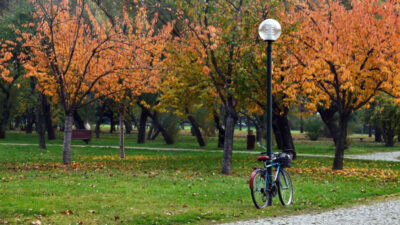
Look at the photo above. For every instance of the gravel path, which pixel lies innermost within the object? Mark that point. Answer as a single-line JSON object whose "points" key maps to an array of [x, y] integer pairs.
{"points": [[387, 156], [380, 156], [378, 213]]}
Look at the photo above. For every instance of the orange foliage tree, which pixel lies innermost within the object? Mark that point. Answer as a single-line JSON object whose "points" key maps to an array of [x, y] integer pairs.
{"points": [[224, 39], [5, 56], [348, 55], [286, 81], [11, 73], [76, 59]]}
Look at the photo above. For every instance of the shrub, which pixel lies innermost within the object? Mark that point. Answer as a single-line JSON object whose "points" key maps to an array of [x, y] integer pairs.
{"points": [[170, 122], [313, 127]]}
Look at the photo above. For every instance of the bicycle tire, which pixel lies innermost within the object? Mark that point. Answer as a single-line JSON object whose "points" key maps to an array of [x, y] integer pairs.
{"points": [[258, 186], [285, 187]]}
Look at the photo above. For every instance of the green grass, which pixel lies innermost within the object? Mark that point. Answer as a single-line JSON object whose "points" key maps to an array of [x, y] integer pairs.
{"points": [[302, 145], [151, 187]]}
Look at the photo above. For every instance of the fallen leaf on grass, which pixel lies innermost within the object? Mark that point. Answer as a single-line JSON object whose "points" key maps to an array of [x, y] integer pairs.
{"points": [[92, 211], [116, 218], [37, 222], [68, 212]]}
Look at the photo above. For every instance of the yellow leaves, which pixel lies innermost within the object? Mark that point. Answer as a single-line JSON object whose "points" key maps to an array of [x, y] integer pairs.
{"points": [[137, 158], [384, 175]]}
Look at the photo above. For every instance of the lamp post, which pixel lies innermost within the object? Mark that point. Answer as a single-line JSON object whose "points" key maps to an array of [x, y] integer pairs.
{"points": [[269, 31]]}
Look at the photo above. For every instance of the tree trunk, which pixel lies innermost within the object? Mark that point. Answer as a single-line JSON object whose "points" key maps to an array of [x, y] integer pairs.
{"points": [[197, 131], [2, 132], [121, 135], [369, 131], [40, 127], [301, 118], [128, 126], [100, 114], [134, 121], [221, 130], [142, 127], [283, 135], [67, 139], [378, 134], [339, 133], [97, 129], [301, 125], [228, 144], [260, 128], [388, 134], [240, 123], [112, 125], [18, 123], [259, 134], [155, 135], [167, 138], [5, 117], [30, 120], [11, 126], [3, 123], [150, 133], [340, 145], [79, 124], [51, 134], [248, 125]]}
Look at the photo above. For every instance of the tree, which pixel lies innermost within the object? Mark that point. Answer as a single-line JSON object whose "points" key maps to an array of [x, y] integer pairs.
{"points": [[11, 69], [78, 60], [6, 85], [348, 56], [185, 89], [222, 32], [386, 115], [286, 83]]}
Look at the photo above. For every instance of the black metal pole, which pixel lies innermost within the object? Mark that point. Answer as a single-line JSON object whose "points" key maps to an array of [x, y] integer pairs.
{"points": [[269, 114]]}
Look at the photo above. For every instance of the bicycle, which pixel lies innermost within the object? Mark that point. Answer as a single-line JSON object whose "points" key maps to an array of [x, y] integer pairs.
{"points": [[264, 187]]}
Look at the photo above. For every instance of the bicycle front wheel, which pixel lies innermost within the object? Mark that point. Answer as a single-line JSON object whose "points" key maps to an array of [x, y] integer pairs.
{"points": [[258, 187], [285, 187]]}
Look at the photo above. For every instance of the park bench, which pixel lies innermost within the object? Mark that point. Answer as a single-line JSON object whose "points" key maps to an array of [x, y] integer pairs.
{"points": [[358, 138], [84, 135]]}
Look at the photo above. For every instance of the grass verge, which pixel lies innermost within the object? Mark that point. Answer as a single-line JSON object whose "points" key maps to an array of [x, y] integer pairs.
{"points": [[150, 187], [189, 142]]}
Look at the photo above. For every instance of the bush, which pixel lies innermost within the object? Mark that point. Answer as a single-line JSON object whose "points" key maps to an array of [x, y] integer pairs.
{"points": [[170, 122], [313, 127]]}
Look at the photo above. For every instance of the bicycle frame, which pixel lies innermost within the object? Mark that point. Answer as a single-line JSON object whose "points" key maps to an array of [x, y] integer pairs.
{"points": [[269, 179], [279, 183]]}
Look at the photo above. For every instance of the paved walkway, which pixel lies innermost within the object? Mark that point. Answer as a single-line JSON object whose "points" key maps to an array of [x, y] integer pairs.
{"points": [[375, 214], [381, 156]]}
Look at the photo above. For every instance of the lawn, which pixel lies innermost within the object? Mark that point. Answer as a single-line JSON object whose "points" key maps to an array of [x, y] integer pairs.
{"points": [[303, 145], [158, 187]]}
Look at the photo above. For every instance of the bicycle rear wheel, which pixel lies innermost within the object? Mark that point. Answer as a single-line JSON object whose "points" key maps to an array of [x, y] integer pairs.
{"points": [[258, 184], [285, 187]]}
